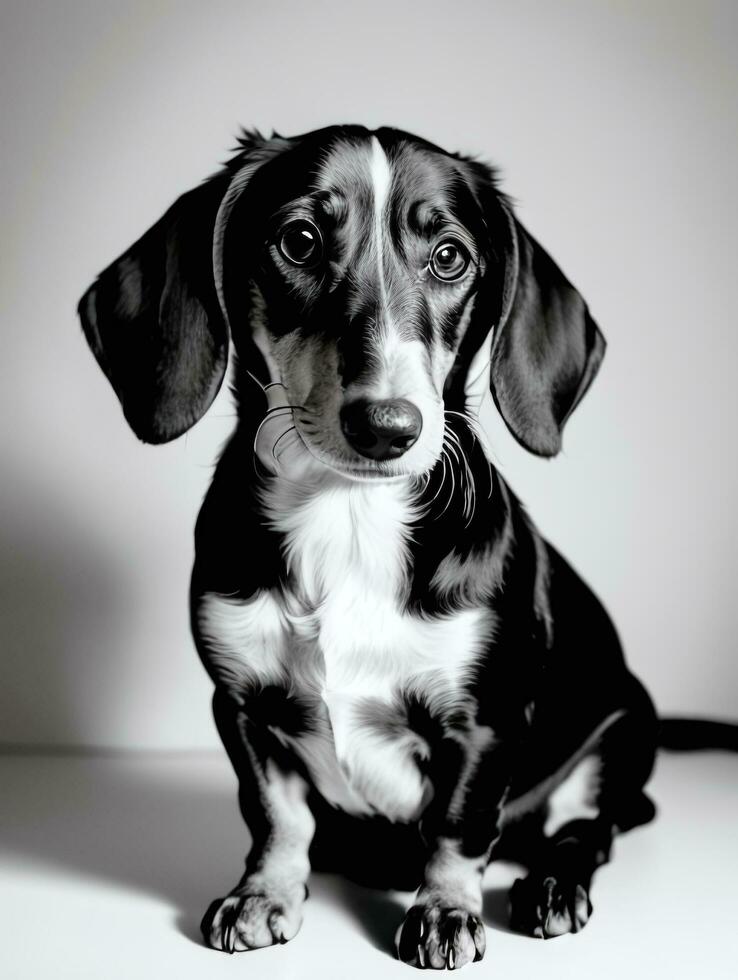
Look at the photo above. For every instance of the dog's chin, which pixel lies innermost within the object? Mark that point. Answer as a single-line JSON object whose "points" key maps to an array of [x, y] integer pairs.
{"points": [[370, 475], [382, 472]]}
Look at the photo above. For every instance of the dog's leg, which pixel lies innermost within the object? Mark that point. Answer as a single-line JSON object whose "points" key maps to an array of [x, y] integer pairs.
{"points": [[443, 928], [266, 905], [554, 897], [601, 796]]}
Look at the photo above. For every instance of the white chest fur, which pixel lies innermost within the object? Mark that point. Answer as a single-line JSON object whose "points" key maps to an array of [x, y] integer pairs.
{"points": [[338, 635]]}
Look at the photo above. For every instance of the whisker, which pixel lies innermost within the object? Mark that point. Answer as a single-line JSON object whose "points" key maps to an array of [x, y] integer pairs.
{"points": [[258, 432], [470, 419], [472, 423], [443, 480], [450, 438], [453, 443], [470, 502], [279, 439], [452, 447], [284, 408], [277, 411], [453, 487], [295, 441], [451, 492]]}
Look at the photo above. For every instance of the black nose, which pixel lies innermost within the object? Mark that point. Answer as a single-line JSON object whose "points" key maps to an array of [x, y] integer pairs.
{"points": [[381, 430]]}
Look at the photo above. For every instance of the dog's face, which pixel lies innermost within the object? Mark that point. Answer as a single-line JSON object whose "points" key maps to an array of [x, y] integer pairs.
{"points": [[363, 271], [360, 296]]}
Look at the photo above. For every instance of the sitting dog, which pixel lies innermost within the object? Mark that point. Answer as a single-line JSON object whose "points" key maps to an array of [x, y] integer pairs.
{"points": [[409, 680]]}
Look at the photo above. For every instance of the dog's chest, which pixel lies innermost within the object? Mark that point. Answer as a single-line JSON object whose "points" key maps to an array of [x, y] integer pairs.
{"points": [[339, 641]]}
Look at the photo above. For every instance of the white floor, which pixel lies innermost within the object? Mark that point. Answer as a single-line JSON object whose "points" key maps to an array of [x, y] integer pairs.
{"points": [[108, 864]]}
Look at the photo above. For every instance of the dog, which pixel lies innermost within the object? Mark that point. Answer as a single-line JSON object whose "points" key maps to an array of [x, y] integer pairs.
{"points": [[409, 680]]}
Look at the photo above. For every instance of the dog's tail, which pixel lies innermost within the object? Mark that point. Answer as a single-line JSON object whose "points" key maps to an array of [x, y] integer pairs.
{"points": [[693, 734]]}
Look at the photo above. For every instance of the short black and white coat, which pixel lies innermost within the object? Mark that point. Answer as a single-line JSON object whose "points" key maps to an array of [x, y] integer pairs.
{"points": [[409, 680]]}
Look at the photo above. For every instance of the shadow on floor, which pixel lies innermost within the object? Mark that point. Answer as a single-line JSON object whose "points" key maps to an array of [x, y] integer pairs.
{"points": [[168, 828], [162, 827], [495, 909], [378, 913]]}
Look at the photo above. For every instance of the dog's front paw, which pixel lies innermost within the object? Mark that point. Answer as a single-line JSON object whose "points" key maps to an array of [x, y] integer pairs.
{"points": [[436, 937], [253, 916], [548, 906]]}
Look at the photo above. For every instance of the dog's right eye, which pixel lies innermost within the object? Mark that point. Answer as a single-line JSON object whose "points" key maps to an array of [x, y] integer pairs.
{"points": [[300, 243]]}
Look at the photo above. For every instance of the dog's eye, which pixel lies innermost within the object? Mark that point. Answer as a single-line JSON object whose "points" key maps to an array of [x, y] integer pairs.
{"points": [[449, 261], [300, 243]]}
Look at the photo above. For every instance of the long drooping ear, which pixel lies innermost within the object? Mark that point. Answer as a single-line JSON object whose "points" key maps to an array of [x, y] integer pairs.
{"points": [[154, 323], [546, 348]]}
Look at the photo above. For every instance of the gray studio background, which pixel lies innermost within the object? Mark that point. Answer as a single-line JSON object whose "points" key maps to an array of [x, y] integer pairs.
{"points": [[614, 126]]}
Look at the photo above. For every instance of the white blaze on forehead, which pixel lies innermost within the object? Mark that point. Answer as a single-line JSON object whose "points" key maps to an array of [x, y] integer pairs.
{"points": [[381, 175], [381, 179], [400, 365]]}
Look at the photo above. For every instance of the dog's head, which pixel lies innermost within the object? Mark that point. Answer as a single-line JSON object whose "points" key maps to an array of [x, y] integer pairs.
{"points": [[374, 275]]}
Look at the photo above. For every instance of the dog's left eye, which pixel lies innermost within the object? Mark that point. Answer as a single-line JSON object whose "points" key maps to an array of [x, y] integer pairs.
{"points": [[300, 243], [449, 260]]}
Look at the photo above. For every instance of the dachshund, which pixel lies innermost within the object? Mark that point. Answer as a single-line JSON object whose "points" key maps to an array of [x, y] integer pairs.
{"points": [[409, 680]]}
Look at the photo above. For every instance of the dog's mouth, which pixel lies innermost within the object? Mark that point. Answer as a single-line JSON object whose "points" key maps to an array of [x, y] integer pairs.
{"points": [[387, 471], [291, 441]]}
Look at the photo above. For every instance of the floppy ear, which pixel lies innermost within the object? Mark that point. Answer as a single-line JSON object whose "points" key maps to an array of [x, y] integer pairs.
{"points": [[546, 348], [153, 320]]}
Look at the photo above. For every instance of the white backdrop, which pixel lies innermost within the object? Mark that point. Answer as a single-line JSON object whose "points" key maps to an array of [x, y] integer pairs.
{"points": [[614, 126]]}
